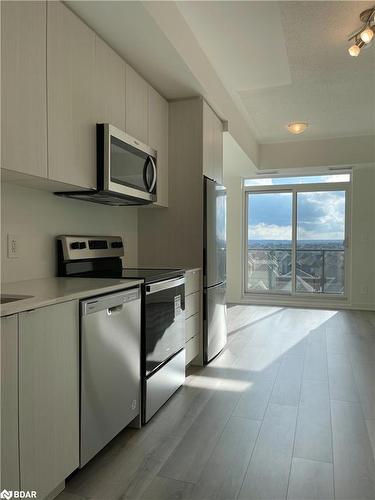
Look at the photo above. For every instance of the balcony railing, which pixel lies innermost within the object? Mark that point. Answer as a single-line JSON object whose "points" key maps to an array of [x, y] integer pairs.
{"points": [[318, 270]]}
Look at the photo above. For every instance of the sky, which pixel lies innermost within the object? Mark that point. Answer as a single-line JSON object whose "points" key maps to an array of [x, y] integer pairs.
{"points": [[305, 179], [320, 216]]}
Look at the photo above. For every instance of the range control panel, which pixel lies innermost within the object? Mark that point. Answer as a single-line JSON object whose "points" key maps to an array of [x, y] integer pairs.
{"points": [[88, 247]]}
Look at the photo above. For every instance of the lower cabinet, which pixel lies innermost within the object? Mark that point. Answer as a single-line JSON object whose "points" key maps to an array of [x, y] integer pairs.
{"points": [[193, 307], [9, 404], [48, 396]]}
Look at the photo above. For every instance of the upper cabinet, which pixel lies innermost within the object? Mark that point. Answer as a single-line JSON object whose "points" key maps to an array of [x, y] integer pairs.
{"points": [[23, 87], [71, 98], [136, 122], [212, 145], [109, 85], [59, 79], [158, 139]]}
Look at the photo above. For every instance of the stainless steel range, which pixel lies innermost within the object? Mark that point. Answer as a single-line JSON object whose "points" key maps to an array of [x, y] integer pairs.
{"points": [[162, 313]]}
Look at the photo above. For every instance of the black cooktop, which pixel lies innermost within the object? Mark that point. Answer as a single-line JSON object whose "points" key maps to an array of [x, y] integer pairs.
{"points": [[150, 275]]}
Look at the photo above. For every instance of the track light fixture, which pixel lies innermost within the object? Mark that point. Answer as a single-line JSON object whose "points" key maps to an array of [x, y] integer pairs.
{"points": [[363, 36]]}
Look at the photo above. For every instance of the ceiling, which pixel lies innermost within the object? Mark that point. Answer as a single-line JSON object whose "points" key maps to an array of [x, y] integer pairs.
{"points": [[278, 61], [288, 62]]}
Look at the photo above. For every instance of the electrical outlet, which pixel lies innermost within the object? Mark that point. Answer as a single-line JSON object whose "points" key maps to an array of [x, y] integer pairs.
{"points": [[13, 246], [364, 290]]}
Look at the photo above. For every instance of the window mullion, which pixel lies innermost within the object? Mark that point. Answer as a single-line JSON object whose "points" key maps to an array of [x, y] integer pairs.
{"points": [[294, 242]]}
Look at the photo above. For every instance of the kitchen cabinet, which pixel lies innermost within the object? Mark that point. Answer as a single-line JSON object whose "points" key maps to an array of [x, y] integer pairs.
{"points": [[71, 103], [9, 403], [174, 237], [136, 107], [193, 316], [158, 139], [212, 145], [48, 396], [58, 80], [23, 87], [109, 85]]}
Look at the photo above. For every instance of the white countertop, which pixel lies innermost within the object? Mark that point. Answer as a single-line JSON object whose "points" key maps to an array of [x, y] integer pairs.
{"points": [[48, 291]]}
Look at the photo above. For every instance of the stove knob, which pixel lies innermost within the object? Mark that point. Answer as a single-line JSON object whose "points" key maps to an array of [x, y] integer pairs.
{"points": [[116, 244], [78, 245]]}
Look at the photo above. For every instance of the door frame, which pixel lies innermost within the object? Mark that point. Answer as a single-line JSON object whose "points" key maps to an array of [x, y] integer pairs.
{"points": [[295, 189]]}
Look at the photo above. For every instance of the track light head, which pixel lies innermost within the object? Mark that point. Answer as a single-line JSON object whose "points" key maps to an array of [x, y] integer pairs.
{"points": [[365, 34]]}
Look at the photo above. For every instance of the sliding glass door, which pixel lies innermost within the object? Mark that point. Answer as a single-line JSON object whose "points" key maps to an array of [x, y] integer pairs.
{"points": [[320, 246], [269, 242], [295, 240]]}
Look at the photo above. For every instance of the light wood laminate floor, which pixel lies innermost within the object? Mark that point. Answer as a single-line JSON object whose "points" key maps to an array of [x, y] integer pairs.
{"points": [[287, 411]]}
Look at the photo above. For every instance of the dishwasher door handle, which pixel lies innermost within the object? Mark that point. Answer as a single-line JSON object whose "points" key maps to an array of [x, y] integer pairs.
{"points": [[114, 309], [109, 303]]}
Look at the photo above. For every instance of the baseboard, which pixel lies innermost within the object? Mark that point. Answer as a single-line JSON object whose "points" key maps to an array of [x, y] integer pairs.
{"points": [[276, 302], [56, 491]]}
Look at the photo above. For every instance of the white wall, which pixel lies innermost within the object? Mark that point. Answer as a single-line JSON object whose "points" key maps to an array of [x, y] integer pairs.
{"points": [[363, 237], [236, 166], [314, 153], [36, 217], [363, 232]]}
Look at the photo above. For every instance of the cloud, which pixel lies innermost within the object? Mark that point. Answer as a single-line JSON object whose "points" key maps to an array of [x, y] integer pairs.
{"points": [[320, 216], [270, 232]]}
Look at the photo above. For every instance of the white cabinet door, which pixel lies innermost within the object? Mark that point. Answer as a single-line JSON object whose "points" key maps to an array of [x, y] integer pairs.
{"points": [[218, 149], [109, 85], [48, 396], [136, 112], [9, 403], [208, 142], [23, 92], [212, 145], [71, 103], [158, 139]]}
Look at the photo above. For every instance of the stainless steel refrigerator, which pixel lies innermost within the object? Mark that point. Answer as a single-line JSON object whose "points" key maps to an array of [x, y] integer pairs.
{"points": [[214, 269]]}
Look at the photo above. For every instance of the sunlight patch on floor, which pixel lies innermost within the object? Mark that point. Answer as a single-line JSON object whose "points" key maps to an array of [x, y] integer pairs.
{"points": [[218, 383]]}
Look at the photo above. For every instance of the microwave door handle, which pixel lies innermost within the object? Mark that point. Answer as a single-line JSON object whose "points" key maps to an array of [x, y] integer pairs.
{"points": [[154, 178], [145, 175]]}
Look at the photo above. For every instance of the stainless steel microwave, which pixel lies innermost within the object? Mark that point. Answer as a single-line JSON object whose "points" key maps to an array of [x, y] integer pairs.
{"points": [[126, 170]]}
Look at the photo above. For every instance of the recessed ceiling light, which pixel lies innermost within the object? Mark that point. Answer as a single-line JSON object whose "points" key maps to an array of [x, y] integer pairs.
{"points": [[297, 127]]}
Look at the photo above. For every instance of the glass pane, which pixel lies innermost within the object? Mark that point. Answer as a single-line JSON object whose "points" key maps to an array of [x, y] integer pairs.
{"points": [[320, 259], [305, 179], [269, 242], [127, 164]]}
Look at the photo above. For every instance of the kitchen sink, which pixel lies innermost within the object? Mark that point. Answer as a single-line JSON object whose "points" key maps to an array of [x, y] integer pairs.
{"points": [[5, 299]]}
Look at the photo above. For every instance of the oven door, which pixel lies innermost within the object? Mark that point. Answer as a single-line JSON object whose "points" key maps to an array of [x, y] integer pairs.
{"points": [[164, 321], [125, 165]]}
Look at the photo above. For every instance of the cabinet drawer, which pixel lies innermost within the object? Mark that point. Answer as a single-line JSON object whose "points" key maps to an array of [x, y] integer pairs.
{"points": [[192, 349], [192, 326], [192, 304], [192, 281]]}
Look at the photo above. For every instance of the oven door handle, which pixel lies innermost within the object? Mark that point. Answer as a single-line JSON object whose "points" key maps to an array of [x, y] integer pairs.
{"points": [[164, 285]]}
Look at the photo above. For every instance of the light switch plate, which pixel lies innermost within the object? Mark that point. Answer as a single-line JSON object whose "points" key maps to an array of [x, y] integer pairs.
{"points": [[13, 246]]}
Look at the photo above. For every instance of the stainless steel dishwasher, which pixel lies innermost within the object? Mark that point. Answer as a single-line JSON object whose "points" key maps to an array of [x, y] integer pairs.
{"points": [[110, 368]]}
